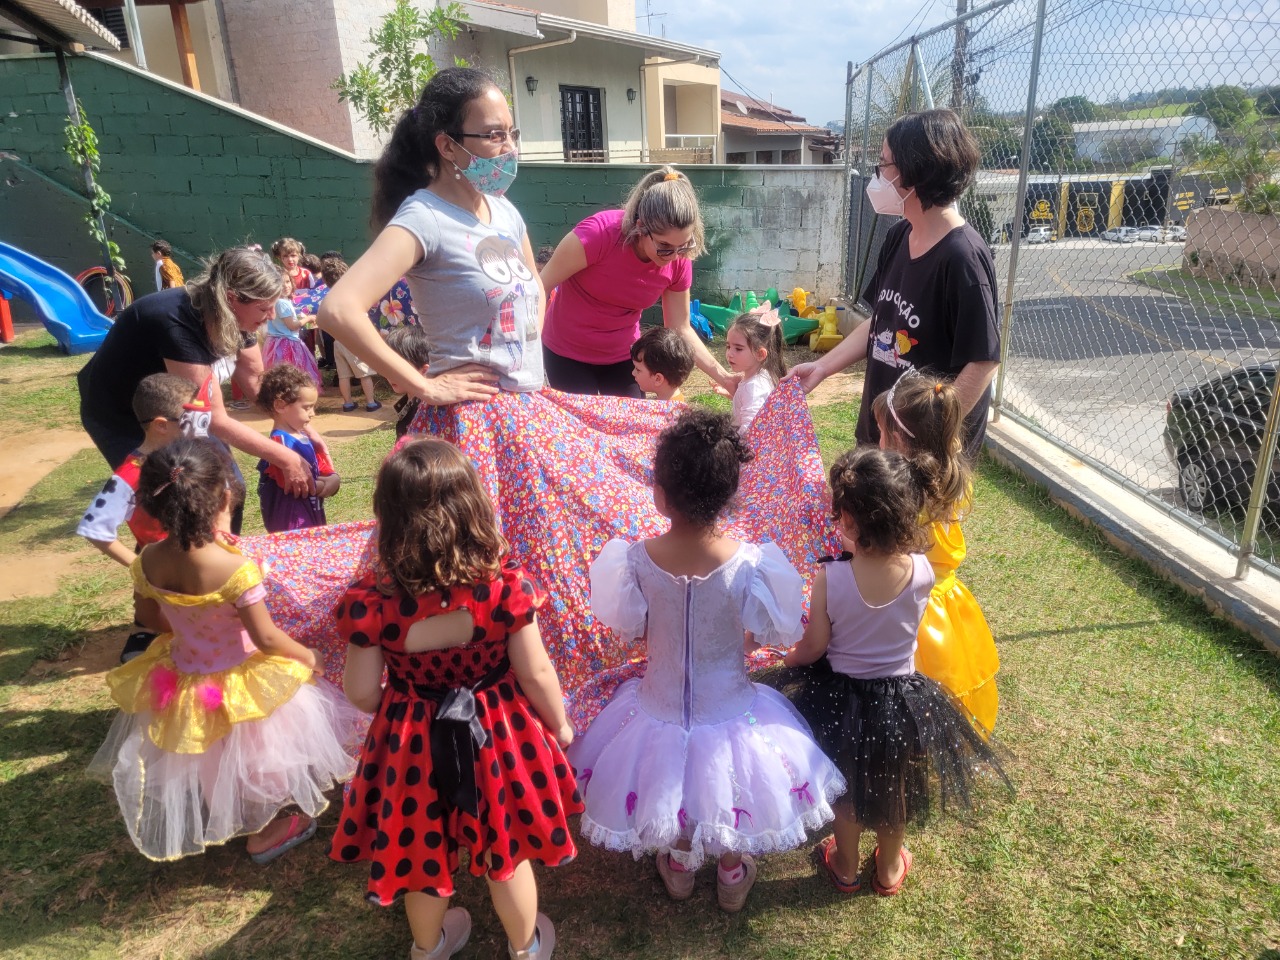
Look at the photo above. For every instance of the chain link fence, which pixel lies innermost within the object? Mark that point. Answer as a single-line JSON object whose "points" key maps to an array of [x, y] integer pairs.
{"points": [[1130, 192]]}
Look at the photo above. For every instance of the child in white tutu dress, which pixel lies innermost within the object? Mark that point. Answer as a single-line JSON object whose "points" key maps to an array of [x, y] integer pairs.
{"points": [[222, 724], [693, 760]]}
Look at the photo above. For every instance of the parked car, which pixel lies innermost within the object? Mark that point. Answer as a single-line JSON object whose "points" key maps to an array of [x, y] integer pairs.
{"points": [[1151, 231], [1175, 234], [1121, 234], [1213, 433], [1040, 235]]}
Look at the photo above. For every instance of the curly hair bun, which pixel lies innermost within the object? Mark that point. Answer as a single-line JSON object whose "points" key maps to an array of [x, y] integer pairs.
{"points": [[697, 465]]}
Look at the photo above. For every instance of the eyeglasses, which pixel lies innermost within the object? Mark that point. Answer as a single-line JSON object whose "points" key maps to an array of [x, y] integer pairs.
{"points": [[875, 167], [500, 137], [662, 250]]}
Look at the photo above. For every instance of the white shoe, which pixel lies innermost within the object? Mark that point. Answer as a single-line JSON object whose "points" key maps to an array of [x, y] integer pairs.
{"points": [[454, 934], [544, 937]]}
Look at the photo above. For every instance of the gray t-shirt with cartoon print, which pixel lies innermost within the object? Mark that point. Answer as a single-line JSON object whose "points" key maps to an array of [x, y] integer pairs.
{"points": [[475, 296]]}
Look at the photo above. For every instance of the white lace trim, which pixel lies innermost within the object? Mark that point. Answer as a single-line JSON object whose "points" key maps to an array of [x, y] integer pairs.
{"points": [[712, 839]]}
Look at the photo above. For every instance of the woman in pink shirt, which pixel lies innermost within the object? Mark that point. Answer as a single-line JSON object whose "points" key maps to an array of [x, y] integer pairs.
{"points": [[611, 267]]}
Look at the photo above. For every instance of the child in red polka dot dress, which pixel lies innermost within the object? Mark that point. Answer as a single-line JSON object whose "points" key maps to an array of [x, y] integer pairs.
{"points": [[465, 749]]}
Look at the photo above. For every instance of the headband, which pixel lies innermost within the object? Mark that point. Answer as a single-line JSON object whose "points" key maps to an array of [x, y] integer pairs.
{"points": [[889, 403]]}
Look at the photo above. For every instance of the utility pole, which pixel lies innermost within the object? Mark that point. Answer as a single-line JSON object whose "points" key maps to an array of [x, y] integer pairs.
{"points": [[959, 59]]}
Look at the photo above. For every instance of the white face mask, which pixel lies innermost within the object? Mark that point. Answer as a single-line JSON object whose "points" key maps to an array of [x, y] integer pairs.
{"points": [[884, 197]]}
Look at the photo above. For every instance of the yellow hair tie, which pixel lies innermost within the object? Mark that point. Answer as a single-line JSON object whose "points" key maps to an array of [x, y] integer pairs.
{"points": [[672, 176], [937, 388]]}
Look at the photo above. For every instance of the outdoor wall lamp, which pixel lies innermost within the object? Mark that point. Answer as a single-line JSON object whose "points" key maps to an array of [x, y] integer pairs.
{"points": [[531, 84], [631, 95]]}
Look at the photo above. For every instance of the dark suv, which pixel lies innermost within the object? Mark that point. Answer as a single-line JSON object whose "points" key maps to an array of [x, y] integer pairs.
{"points": [[1213, 432]]}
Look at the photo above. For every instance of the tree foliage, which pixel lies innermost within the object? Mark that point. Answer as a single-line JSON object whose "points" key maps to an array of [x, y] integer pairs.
{"points": [[385, 86], [80, 143], [1226, 105], [1077, 110], [1053, 143], [1267, 102]]}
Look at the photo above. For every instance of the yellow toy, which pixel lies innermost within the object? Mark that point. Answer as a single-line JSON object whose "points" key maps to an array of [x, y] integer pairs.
{"points": [[800, 304], [828, 333]]}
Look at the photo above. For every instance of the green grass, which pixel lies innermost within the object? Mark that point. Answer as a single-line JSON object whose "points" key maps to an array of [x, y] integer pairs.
{"points": [[1248, 303], [1146, 824]]}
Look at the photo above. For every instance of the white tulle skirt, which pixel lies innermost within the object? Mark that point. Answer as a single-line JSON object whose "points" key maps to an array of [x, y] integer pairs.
{"points": [[177, 804], [756, 783]]}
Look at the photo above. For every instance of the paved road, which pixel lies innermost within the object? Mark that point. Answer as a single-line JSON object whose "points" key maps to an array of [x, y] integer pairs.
{"points": [[1093, 356]]}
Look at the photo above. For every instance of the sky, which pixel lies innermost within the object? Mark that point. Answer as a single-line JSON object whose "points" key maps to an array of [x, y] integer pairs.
{"points": [[1101, 49]]}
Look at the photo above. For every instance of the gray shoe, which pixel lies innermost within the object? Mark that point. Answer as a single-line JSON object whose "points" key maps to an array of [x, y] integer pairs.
{"points": [[679, 883], [454, 934], [545, 939], [732, 897]]}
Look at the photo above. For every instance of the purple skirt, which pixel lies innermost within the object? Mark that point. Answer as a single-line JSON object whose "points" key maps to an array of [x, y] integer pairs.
{"points": [[278, 350]]}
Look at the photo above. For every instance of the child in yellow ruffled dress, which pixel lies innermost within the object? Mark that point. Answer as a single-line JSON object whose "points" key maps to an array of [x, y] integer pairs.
{"points": [[222, 723], [921, 417]]}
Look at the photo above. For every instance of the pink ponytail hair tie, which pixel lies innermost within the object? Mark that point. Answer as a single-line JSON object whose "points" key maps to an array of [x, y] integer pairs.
{"points": [[765, 315]]}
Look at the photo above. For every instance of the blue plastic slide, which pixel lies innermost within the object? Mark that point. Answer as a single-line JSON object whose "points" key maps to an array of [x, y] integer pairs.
{"points": [[64, 307]]}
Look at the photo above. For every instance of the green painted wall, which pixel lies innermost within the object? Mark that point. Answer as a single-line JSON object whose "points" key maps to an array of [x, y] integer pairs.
{"points": [[206, 175]]}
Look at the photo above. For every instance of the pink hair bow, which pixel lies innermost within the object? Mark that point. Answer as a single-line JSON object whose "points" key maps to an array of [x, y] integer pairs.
{"points": [[765, 315]]}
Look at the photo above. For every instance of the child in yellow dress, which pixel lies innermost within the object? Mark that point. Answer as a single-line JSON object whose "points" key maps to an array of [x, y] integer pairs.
{"points": [[921, 418], [222, 724]]}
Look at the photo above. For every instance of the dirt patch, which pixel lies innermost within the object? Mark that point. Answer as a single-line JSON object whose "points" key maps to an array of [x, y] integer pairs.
{"points": [[837, 387], [29, 457], [37, 575]]}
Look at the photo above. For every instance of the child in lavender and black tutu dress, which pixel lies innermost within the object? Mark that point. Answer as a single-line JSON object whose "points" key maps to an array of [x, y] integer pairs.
{"points": [[693, 760]]}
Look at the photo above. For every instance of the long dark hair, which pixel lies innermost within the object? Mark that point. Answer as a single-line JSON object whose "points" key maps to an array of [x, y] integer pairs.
{"points": [[183, 485], [883, 493], [410, 160]]}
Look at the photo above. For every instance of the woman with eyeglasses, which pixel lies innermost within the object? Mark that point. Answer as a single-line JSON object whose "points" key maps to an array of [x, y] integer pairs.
{"points": [[933, 293], [195, 331], [610, 268]]}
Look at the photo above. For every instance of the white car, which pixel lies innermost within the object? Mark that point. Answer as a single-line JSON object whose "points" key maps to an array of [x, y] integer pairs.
{"points": [[1151, 231], [1175, 234], [1039, 235], [1121, 235]]}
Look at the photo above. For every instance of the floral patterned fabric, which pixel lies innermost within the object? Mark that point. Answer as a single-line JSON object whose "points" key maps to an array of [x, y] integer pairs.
{"points": [[395, 309], [567, 474]]}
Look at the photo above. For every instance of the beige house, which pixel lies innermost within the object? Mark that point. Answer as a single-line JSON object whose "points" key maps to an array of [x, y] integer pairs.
{"points": [[583, 84], [759, 132]]}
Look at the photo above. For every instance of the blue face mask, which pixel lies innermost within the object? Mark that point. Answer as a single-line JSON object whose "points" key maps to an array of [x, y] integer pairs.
{"points": [[490, 175]]}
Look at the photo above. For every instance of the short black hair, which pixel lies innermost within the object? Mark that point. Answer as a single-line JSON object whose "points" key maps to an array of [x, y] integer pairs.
{"points": [[935, 155], [882, 493], [162, 247], [697, 463], [410, 341], [666, 352], [161, 395]]}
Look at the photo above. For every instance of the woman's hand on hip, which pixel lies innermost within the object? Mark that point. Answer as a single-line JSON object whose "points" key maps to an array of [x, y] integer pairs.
{"points": [[473, 381], [809, 375]]}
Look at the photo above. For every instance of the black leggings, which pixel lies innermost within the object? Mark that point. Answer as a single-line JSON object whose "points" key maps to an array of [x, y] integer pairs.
{"points": [[574, 376]]}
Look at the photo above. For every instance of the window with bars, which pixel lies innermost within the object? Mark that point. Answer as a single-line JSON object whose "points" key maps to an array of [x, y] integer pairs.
{"points": [[582, 124]]}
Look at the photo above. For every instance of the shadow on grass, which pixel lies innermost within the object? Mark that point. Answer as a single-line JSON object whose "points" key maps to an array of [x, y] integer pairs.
{"points": [[1177, 606], [1068, 631]]}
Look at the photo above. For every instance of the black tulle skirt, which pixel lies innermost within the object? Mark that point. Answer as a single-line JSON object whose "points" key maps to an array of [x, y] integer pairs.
{"points": [[906, 746]]}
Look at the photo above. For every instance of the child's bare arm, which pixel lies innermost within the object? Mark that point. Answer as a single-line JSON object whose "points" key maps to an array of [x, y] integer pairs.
{"points": [[362, 679], [538, 678], [270, 639], [328, 485], [817, 635], [116, 550]]}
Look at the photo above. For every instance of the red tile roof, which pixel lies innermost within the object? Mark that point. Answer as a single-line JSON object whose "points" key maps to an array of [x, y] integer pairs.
{"points": [[736, 120]]}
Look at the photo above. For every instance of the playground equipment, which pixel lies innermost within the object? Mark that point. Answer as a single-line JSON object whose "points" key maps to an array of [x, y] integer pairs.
{"points": [[793, 327], [828, 333], [63, 306]]}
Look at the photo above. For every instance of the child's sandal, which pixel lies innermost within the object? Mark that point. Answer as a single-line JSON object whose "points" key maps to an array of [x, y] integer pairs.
{"points": [[844, 886], [880, 888], [292, 837]]}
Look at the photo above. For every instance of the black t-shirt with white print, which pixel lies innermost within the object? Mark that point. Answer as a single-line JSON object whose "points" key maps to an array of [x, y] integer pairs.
{"points": [[935, 313]]}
